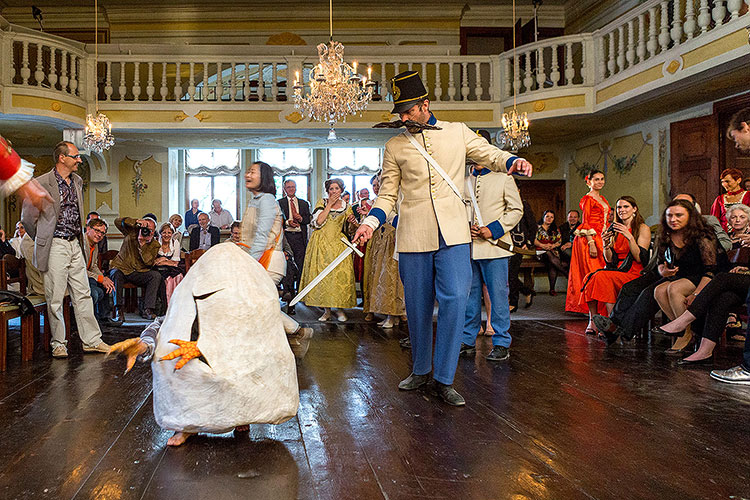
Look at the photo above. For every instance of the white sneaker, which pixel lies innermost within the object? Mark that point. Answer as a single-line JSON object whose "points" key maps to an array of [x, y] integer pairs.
{"points": [[60, 352]]}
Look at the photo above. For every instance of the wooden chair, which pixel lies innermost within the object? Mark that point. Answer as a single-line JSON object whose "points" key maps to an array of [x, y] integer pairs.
{"points": [[29, 322], [131, 291], [191, 257], [528, 265]]}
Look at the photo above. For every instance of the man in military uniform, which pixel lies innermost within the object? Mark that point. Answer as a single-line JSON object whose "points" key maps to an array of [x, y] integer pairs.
{"points": [[426, 164]]}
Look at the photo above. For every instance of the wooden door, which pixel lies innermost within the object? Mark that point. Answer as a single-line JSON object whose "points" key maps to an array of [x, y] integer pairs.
{"points": [[694, 159], [544, 195]]}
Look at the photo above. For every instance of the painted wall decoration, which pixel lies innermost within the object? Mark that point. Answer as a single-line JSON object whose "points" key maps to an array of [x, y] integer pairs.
{"points": [[138, 185], [621, 165]]}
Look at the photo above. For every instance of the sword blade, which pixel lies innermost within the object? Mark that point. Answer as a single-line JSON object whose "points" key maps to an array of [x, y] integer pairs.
{"points": [[330, 267]]}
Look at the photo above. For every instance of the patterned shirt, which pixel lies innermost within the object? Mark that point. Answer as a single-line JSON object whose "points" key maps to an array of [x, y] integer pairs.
{"points": [[69, 220]]}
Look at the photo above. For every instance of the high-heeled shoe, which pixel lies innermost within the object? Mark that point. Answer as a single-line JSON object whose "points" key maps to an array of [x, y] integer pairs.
{"points": [[530, 299], [341, 316], [326, 316]]}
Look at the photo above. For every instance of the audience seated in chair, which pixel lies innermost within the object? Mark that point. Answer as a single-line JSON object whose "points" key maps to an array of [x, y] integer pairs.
{"points": [[626, 243], [102, 287], [567, 235], [203, 236], [133, 263], [710, 309], [635, 304], [549, 240], [220, 217], [168, 262], [103, 245], [176, 221]]}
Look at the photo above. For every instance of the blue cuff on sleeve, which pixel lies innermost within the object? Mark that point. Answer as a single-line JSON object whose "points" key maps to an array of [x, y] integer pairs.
{"points": [[496, 229], [509, 162], [395, 221], [379, 213]]}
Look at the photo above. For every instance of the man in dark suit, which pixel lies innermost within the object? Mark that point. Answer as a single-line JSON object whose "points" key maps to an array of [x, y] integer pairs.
{"points": [[296, 218], [204, 236]]}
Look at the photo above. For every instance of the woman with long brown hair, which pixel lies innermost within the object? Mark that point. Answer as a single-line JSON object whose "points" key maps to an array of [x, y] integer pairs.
{"points": [[688, 260], [626, 244]]}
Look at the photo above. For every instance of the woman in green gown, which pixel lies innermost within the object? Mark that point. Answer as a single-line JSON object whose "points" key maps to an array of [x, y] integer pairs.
{"points": [[331, 219]]}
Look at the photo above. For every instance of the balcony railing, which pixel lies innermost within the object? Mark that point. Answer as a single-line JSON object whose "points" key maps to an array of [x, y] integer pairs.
{"points": [[261, 76]]}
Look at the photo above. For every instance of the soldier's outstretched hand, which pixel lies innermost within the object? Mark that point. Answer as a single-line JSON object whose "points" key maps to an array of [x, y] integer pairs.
{"points": [[522, 167], [363, 234]]}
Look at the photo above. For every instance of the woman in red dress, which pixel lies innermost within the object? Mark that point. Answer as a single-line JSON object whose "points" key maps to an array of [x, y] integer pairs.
{"points": [[731, 181], [587, 255], [626, 245]]}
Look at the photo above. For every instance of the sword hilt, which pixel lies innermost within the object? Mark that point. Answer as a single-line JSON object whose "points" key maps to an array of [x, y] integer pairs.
{"points": [[352, 246]]}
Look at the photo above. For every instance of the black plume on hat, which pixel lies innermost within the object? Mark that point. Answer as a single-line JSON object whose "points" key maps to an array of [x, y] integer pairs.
{"points": [[407, 90]]}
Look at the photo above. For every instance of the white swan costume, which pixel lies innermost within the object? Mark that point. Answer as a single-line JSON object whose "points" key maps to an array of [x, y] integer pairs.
{"points": [[249, 373]]}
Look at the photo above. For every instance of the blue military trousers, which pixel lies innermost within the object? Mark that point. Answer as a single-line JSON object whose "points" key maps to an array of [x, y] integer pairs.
{"points": [[494, 274], [445, 275]]}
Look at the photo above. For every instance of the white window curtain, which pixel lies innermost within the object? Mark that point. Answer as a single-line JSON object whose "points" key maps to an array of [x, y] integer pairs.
{"points": [[287, 161], [354, 161], [212, 161]]}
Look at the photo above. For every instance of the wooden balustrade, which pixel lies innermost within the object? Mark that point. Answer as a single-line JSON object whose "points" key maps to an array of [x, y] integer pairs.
{"points": [[649, 30]]}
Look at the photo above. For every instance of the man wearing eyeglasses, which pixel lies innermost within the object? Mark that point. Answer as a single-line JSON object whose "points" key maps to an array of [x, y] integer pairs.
{"points": [[101, 286], [56, 230]]}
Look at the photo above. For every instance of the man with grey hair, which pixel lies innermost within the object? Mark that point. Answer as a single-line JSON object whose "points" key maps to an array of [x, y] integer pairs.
{"points": [[219, 217], [56, 230]]}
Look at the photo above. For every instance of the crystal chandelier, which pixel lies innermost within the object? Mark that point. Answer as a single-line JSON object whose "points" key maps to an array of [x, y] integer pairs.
{"points": [[336, 89], [98, 133], [515, 132]]}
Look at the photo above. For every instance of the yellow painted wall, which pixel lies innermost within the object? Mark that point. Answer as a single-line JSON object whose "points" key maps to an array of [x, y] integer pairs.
{"points": [[150, 200], [546, 162], [637, 183]]}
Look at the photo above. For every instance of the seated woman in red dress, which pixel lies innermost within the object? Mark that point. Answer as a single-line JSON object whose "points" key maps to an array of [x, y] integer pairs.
{"points": [[587, 246], [731, 181], [626, 245]]}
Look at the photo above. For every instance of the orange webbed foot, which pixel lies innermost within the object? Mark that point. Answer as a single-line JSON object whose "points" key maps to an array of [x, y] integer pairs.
{"points": [[187, 350], [131, 349]]}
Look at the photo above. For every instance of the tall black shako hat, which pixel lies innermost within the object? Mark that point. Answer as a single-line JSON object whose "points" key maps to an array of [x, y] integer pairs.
{"points": [[407, 89]]}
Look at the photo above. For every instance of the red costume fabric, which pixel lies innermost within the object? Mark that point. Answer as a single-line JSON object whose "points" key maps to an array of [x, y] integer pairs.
{"points": [[581, 263], [719, 208], [14, 172], [10, 162], [604, 285]]}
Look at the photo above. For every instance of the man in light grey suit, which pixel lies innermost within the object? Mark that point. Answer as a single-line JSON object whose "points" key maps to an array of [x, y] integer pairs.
{"points": [[56, 230]]}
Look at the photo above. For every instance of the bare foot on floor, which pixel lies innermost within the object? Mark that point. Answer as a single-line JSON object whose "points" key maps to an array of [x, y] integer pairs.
{"points": [[178, 438]]}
